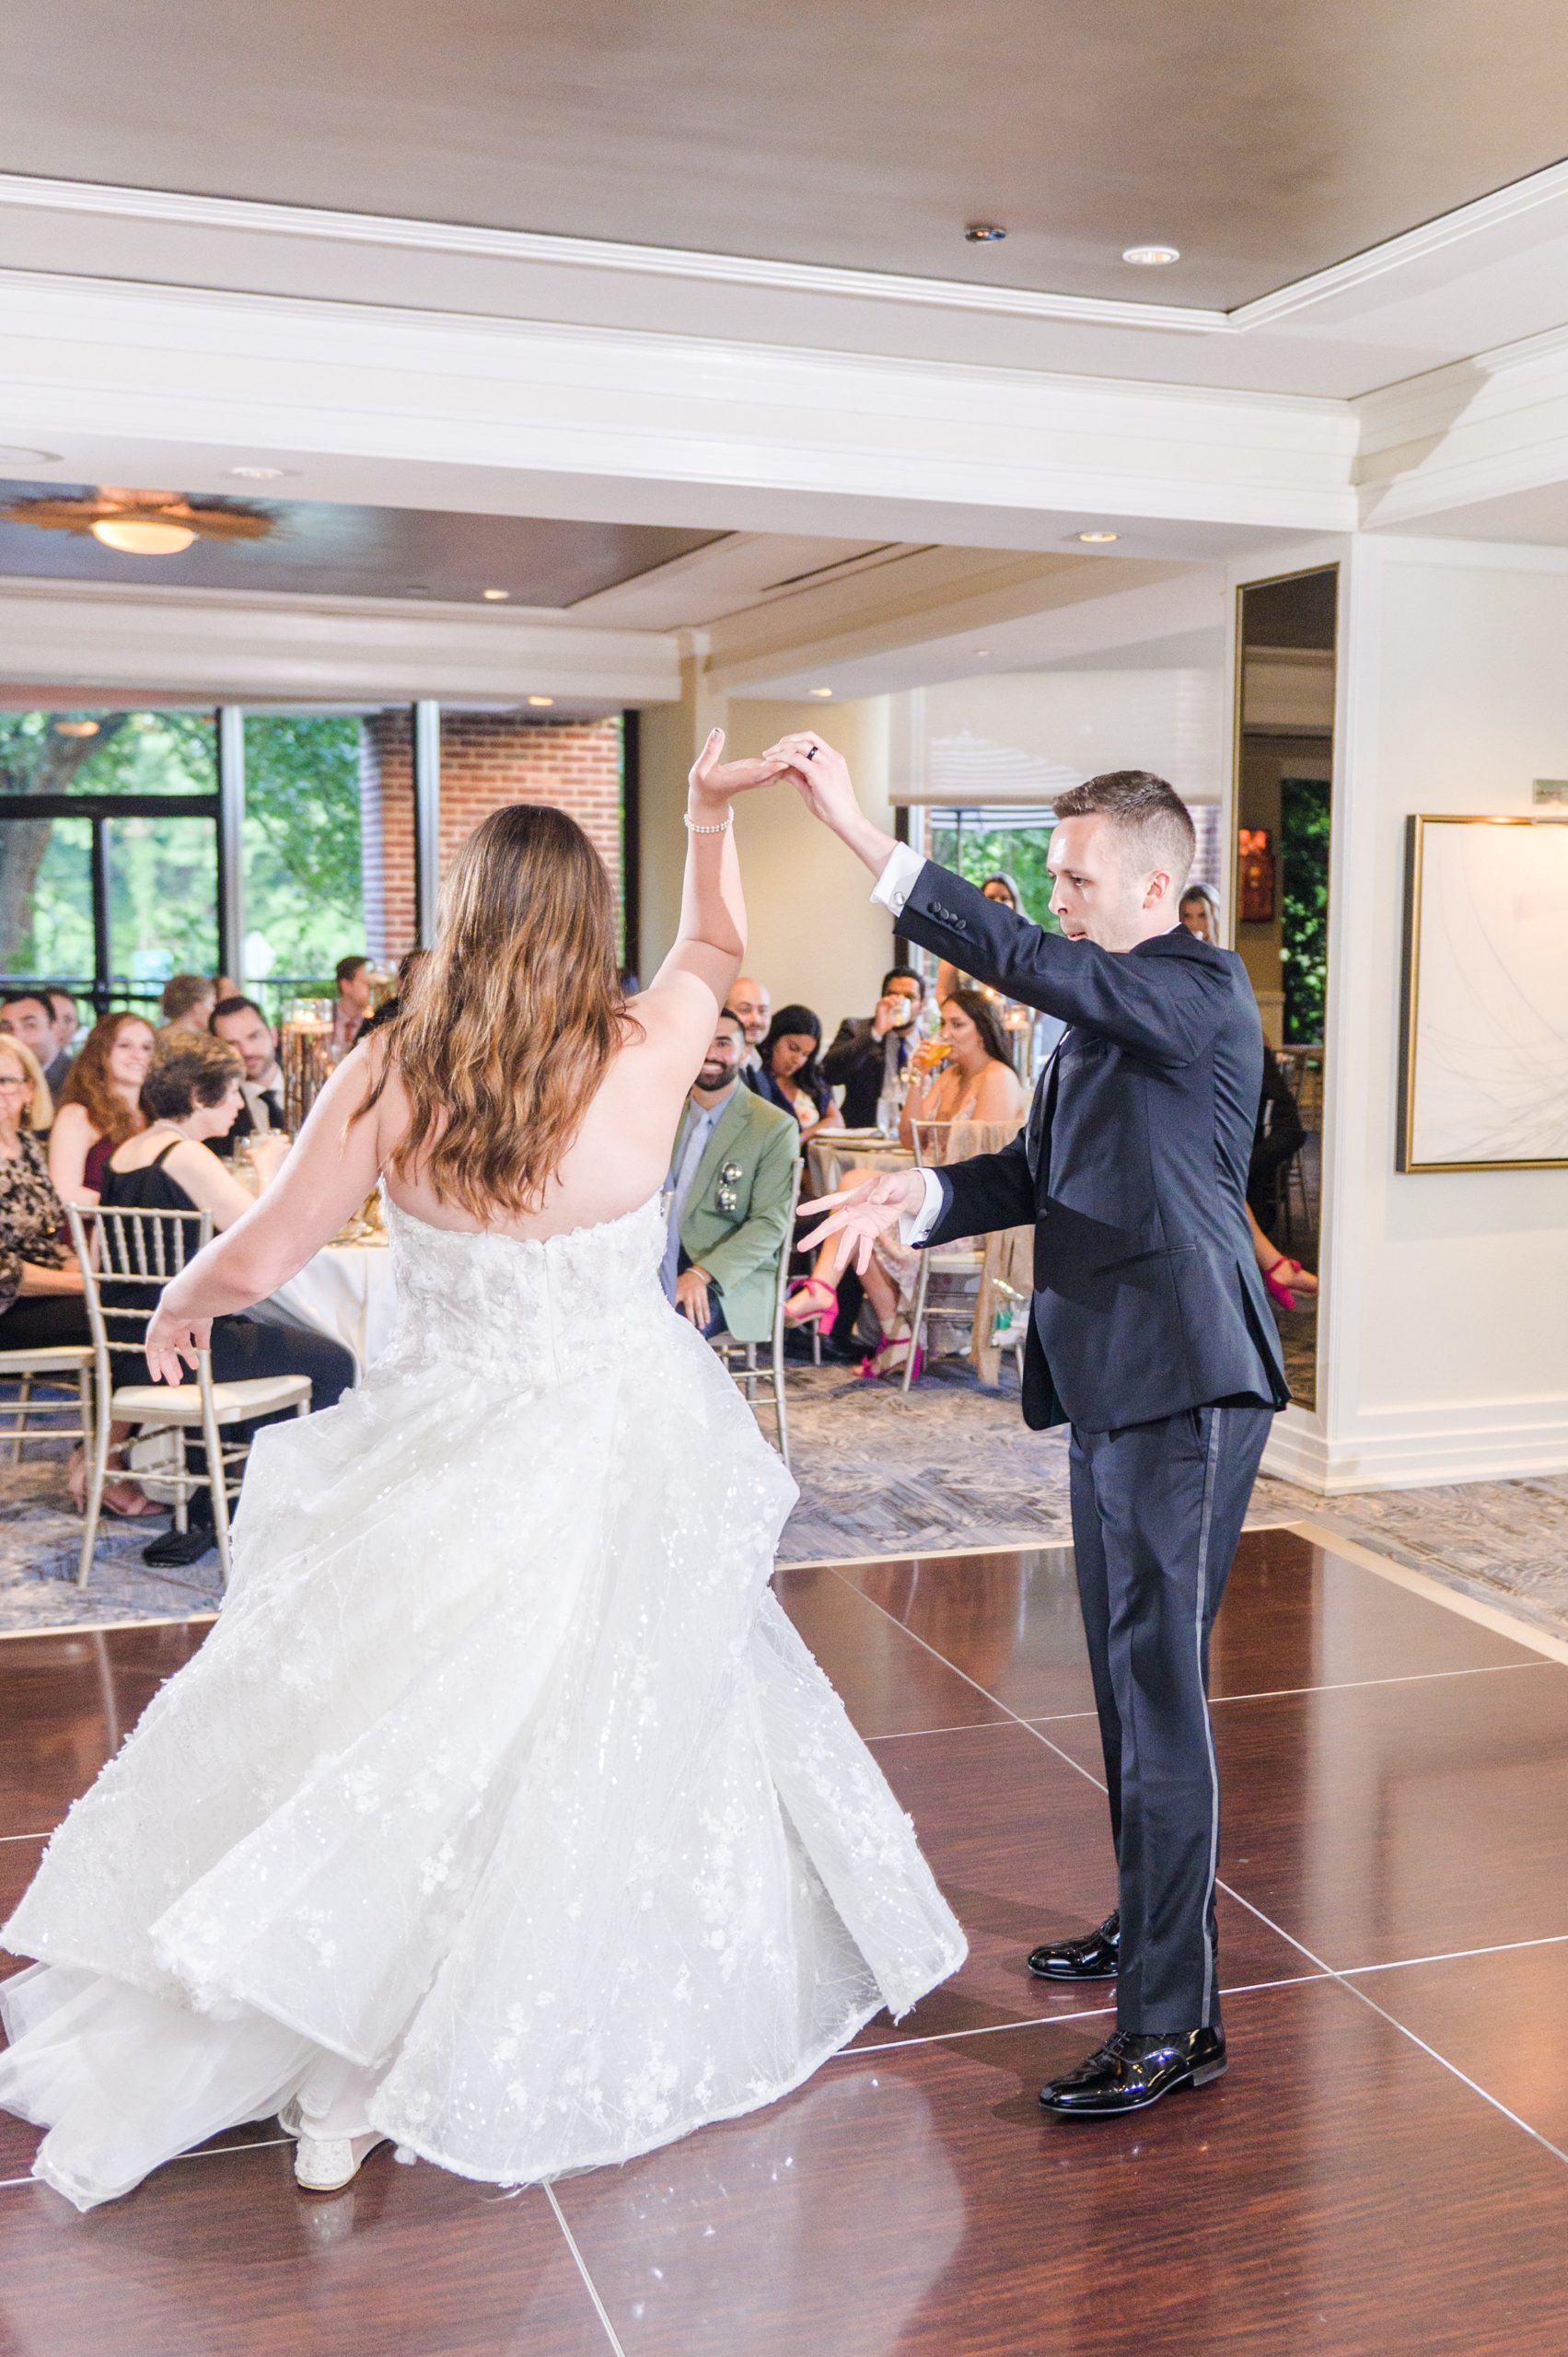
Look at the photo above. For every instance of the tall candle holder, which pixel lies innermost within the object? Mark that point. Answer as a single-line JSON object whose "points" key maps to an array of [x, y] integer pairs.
{"points": [[304, 1051]]}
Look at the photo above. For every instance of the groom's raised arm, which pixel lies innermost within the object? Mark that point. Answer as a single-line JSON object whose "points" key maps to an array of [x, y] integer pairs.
{"points": [[1169, 1011]]}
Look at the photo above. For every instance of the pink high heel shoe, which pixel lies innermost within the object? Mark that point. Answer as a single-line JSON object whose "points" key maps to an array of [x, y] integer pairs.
{"points": [[889, 1357], [799, 1309], [1280, 1287]]}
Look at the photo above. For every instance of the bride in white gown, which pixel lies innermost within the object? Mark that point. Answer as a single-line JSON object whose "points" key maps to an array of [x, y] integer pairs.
{"points": [[503, 1815]]}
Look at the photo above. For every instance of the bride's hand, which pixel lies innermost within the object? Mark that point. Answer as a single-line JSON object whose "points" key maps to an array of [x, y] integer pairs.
{"points": [[864, 1213], [718, 780], [172, 1344]]}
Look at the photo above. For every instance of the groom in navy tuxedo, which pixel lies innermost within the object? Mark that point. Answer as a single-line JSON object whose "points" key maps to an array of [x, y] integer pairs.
{"points": [[1149, 1335]]}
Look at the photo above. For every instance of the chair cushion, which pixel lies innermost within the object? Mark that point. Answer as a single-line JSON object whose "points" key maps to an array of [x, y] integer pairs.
{"points": [[181, 1403], [65, 1358]]}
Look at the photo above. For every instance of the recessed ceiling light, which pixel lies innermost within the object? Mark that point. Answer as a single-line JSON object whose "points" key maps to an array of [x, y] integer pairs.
{"points": [[261, 474], [494, 596], [1151, 257], [12, 455], [139, 536], [821, 692], [541, 700], [984, 233], [982, 650], [1096, 540]]}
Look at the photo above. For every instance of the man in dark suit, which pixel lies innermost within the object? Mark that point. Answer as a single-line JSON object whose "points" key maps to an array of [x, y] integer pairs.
{"points": [[241, 1023], [1149, 1334], [869, 1053]]}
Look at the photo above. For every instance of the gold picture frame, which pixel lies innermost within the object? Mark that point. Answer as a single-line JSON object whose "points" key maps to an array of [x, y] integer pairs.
{"points": [[1493, 1067]]}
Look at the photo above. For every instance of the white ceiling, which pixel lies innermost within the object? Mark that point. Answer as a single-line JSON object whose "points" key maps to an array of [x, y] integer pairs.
{"points": [[1267, 144]]}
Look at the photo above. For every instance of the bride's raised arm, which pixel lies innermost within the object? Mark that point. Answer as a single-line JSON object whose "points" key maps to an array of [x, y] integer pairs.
{"points": [[687, 993]]}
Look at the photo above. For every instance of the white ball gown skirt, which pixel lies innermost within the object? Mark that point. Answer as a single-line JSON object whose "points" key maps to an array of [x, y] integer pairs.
{"points": [[502, 1788]]}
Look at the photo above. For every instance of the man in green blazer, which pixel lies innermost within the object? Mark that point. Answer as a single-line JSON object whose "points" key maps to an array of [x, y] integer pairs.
{"points": [[730, 1177]]}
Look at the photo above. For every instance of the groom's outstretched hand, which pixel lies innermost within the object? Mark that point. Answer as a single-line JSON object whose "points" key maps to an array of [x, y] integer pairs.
{"points": [[858, 1215]]}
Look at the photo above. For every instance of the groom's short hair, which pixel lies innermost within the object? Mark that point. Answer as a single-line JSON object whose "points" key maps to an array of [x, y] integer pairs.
{"points": [[1150, 814]]}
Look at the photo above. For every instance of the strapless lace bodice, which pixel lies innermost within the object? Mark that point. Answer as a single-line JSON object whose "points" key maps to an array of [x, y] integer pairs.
{"points": [[539, 1311]]}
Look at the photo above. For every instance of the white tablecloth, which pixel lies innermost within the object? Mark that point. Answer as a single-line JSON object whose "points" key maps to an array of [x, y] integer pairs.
{"points": [[345, 1291]]}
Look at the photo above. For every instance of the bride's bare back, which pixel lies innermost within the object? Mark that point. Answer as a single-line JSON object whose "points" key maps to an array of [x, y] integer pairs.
{"points": [[613, 1161]]}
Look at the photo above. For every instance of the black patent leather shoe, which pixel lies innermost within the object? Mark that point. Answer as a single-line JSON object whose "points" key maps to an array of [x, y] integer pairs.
{"points": [[1093, 1957], [1134, 2070]]}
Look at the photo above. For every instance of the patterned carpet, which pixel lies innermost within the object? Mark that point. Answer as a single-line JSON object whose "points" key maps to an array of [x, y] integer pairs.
{"points": [[949, 1469]]}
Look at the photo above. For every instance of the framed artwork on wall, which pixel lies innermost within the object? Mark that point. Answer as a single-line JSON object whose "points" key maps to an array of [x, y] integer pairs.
{"points": [[1483, 1076]]}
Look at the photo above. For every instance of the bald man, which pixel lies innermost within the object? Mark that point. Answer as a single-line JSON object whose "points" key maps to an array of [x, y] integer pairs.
{"points": [[753, 1003]]}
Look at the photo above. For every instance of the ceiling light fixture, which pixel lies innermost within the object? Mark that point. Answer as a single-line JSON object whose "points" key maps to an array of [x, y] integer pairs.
{"points": [[1151, 257], [984, 233], [140, 523], [821, 693], [1096, 540], [261, 474], [982, 650], [76, 728], [543, 702], [494, 596], [141, 536], [13, 455]]}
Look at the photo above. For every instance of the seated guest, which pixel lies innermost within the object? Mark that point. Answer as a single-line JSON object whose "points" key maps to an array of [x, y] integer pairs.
{"points": [[870, 1051], [241, 1023], [41, 1303], [790, 1075], [353, 1000], [192, 1096], [966, 1074], [730, 1180], [102, 1104], [186, 1001], [40, 1286], [28, 1016], [752, 1000], [67, 1023]]}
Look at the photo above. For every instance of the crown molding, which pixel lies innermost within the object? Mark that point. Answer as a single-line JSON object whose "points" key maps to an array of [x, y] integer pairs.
{"points": [[168, 208], [310, 224]]}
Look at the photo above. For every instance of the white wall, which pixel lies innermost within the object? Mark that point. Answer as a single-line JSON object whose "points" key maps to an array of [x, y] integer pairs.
{"points": [[1445, 1293], [1019, 734], [815, 937]]}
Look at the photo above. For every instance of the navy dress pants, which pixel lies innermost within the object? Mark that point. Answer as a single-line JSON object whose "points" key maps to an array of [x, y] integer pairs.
{"points": [[1157, 1510]]}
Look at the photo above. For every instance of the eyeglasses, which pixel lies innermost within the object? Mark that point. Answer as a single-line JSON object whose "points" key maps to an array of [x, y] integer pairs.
{"points": [[5, 1082]]}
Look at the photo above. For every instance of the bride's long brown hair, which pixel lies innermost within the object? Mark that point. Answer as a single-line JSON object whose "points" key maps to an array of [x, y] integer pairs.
{"points": [[511, 1025]]}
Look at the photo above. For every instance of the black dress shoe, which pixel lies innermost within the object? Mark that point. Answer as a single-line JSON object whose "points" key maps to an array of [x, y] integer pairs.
{"points": [[178, 1547], [1134, 2070], [1095, 1957]]}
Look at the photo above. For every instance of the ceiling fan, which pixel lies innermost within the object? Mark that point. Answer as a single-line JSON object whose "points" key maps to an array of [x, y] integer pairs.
{"points": [[141, 523]]}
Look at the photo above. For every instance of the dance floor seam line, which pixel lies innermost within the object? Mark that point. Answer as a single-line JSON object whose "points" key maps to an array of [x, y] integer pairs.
{"points": [[203, 2152], [1318, 1962], [612, 2336], [1052, 2021]]}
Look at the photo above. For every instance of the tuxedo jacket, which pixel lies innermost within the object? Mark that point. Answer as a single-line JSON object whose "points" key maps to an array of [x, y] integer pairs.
{"points": [[1132, 1168]]}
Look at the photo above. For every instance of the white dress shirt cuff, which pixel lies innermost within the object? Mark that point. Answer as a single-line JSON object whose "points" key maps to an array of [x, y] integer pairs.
{"points": [[915, 1231], [897, 880]]}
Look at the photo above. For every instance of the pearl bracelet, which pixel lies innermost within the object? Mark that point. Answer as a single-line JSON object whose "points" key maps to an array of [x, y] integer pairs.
{"points": [[723, 827]]}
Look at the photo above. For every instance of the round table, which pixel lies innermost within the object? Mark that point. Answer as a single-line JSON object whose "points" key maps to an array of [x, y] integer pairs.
{"points": [[345, 1292]]}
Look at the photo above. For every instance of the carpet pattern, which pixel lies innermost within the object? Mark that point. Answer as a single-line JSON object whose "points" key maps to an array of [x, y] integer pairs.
{"points": [[951, 1469]]}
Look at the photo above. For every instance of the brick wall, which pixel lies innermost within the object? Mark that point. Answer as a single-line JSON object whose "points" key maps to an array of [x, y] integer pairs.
{"points": [[488, 760]]}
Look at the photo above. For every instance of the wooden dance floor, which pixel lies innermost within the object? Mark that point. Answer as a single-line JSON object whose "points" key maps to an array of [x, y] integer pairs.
{"points": [[1385, 2170]]}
